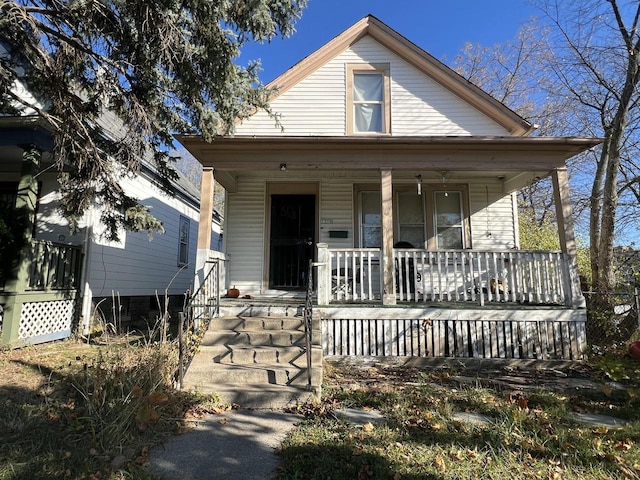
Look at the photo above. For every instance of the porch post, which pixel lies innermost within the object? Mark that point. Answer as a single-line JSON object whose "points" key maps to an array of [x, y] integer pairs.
{"points": [[566, 233], [388, 277], [323, 275], [17, 281], [206, 209], [205, 225]]}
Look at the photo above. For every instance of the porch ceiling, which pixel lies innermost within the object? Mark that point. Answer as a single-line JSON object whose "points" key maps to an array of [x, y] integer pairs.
{"points": [[517, 159]]}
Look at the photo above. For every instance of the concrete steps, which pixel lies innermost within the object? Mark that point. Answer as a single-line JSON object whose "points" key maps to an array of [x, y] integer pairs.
{"points": [[256, 357]]}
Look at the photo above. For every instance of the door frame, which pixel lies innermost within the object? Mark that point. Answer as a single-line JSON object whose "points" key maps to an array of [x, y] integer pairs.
{"points": [[286, 188]]}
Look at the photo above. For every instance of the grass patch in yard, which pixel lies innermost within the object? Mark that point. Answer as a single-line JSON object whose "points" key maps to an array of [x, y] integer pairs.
{"points": [[78, 411], [531, 435]]}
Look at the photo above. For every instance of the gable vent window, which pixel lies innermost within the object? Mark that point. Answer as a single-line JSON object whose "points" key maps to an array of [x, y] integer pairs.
{"points": [[368, 99]]}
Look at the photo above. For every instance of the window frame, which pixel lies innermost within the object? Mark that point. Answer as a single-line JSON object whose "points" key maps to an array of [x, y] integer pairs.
{"points": [[369, 68], [183, 222]]}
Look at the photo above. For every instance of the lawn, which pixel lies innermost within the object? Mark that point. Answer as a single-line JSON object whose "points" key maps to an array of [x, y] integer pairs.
{"points": [[78, 411], [530, 434]]}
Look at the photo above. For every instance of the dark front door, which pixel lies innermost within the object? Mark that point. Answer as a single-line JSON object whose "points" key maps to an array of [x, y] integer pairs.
{"points": [[291, 240]]}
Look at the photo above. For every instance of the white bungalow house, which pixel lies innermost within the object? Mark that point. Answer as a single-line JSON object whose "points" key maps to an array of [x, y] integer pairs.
{"points": [[58, 278], [398, 179]]}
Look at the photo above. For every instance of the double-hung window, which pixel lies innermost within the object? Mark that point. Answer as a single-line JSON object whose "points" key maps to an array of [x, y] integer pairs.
{"points": [[183, 241], [368, 99], [448, 220], [370, 219]]}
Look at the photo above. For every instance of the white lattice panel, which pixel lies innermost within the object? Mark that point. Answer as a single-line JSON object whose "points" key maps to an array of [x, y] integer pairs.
{"points": [[45, 318]]}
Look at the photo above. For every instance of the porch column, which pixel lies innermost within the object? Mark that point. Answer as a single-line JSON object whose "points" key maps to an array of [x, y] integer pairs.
{"points": [[388, 277], [18, 275], [323, 276], [206, 209], [205, 224], [566, 233]]}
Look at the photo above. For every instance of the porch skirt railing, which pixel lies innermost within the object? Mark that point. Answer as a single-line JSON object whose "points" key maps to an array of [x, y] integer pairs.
{"points": [[545, 339], [537, 277]]}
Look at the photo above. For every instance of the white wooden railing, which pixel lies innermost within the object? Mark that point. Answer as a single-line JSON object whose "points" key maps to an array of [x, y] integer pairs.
{"points": [[517, 276]]}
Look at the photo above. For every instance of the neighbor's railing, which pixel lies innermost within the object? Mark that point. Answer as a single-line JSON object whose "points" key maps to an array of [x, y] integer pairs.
{"points": [[54, 266], [538, 277]]}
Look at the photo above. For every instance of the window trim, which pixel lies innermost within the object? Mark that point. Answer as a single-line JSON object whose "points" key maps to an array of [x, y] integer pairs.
{"points": [[184, 221], [381, 68]]}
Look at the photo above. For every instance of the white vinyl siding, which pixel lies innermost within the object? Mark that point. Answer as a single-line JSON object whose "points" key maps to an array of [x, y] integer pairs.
{"points": [[244, 230], [336, 212], [419, 105], [492, 218]]}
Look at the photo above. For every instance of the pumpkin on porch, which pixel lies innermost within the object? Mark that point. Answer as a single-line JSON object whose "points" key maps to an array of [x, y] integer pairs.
{"points": [[233, 292]]}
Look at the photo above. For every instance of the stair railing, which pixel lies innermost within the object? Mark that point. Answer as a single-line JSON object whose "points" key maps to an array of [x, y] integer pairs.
{"points": [[308, 326], [199, 308]]}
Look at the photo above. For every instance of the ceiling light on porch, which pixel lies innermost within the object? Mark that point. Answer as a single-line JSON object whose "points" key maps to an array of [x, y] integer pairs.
{"points": [[445, 175], [283, 167], [419, 179]]}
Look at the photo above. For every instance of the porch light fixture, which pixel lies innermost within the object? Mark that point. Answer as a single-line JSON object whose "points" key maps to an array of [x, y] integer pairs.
{"points": [[419, 179], [283, 167], [445, 175]]}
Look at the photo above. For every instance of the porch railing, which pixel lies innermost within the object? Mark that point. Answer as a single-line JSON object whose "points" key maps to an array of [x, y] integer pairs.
{"points": [[518, 276]]}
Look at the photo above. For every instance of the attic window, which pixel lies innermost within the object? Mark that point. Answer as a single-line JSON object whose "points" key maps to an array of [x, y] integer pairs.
{"points": [[368, 99]]}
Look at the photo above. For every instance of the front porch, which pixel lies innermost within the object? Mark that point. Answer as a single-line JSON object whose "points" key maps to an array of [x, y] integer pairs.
{"points": [[450, 304]]}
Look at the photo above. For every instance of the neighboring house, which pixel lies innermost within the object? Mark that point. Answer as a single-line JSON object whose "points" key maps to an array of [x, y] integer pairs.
{"points": [[398, 178], [62, 277]]}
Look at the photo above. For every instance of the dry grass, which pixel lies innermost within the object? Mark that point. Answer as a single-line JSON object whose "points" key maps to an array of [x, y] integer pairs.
{"points": [[531, 436], [72, 410]]}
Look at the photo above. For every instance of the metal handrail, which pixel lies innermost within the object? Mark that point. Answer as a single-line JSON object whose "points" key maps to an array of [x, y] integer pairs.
{"points": [[308, 326], [194, 301]]}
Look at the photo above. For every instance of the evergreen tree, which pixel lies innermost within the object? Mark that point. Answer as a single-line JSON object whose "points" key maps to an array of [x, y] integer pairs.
{"points": [[116, 79]]}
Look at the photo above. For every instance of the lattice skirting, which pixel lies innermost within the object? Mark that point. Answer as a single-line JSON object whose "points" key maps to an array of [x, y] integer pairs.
{"points": [[46, 321]]}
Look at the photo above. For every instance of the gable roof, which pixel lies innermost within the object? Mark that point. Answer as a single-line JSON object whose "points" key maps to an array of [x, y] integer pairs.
{"points": [[415, 56]]}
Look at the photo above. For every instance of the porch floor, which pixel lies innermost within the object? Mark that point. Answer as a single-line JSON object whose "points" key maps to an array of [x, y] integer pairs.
{"points": [[298, 298]]}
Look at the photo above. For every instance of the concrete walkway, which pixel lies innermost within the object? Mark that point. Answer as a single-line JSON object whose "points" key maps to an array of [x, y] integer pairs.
{"points": [[237, 445]]}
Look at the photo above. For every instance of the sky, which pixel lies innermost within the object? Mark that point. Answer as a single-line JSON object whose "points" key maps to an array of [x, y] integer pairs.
{"points": [[441, 27]]}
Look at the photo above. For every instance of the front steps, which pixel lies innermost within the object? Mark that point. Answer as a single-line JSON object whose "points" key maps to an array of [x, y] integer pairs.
{"points": [[255, 357]]}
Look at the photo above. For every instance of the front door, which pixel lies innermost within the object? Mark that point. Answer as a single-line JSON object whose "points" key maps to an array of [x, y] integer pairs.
{"points": [[291, 240]]}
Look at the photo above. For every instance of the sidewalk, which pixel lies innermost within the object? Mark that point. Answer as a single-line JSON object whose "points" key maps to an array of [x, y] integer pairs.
{"points": [[237, 445]]}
